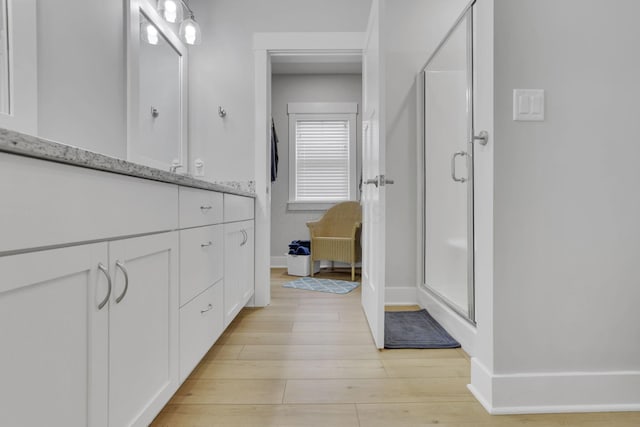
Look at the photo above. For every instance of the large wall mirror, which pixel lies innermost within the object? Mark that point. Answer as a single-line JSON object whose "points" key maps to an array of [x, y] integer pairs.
{"points": [[157, 111]]}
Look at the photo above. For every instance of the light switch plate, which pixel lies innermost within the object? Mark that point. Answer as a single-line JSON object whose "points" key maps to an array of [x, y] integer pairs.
{"points": [[528, 105]]}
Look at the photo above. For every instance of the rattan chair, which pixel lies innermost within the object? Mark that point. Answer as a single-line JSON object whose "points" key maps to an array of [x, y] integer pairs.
{"points": [[336, 236]]}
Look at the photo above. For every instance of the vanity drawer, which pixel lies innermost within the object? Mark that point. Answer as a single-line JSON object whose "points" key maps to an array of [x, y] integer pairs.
{"points": [[46, 203], [201, 323], [237, 208], [199, 207], [201, 260]]}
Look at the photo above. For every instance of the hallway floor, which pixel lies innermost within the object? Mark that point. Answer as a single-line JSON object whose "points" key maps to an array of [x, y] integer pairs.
{"points": [[308, 359]]}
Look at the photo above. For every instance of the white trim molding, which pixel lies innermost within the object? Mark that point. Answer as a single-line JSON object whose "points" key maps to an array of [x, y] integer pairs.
{"points": [[308, 113], [322, 108], [459, 328], [309, 42], [555, 392]]}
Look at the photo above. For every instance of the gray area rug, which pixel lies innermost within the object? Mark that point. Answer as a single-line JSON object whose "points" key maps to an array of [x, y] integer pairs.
{"points": [[415, 329]]}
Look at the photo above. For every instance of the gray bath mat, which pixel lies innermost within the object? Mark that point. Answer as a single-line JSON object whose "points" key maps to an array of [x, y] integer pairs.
{"points": [[415, 329]]}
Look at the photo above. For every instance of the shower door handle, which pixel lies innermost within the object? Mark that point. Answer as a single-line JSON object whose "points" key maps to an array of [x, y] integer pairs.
{"points": [[453, 166]]}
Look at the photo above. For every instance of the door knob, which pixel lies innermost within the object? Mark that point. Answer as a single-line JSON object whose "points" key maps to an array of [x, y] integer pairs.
{"points": [[379, 180]]}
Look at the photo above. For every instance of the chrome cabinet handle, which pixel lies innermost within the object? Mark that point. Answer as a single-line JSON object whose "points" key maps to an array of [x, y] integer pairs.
{"points": [[102, 268], [209, 308], [245, 238], [453, 167], [126, 281], [204, 245], [206, 208]]}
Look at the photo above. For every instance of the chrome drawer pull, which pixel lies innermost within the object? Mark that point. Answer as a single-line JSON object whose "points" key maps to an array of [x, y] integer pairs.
{"points": [[126, 281], [209, 308], [206, 208], [102, 268], [204, 245]]}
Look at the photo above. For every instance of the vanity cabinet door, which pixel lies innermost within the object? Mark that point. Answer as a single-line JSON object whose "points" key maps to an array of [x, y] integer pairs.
{"points": [[238, 267], [143, 327], [54, 338]]}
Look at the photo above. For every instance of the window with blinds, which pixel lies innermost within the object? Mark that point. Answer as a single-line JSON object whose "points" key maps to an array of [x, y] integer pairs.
{"points": [[322, 160], [322, 154]]}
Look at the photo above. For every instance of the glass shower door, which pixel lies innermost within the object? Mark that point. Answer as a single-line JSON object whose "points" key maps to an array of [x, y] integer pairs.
{"points": [[448, 161]]}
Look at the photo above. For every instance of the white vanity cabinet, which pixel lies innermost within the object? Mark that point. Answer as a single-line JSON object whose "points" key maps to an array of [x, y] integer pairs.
{"points": [[54, 337], [143, 327], [238, 254], [89, 331], [238, 267], [201, 324], [201, 274], [94, 336], [112, 290]]}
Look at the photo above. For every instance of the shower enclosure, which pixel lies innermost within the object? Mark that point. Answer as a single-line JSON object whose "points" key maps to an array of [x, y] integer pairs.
{"points": [[448, 170]]}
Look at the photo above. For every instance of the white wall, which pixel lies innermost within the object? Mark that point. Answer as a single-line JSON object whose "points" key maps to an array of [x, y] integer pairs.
{"points": [[82, 74], [222, 70], [566, 286], [291, 225], [413, 30]]}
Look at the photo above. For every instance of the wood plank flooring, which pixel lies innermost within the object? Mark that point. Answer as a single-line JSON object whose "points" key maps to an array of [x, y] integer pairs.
{"points": [[309, 360]]}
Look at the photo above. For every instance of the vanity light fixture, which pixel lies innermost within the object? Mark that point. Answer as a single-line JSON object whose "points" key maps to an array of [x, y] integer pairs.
{"points": [[172, 11], [190, 31]]}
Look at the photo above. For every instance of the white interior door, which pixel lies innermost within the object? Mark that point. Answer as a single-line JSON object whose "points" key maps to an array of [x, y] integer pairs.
{"points": [[373, 189]]}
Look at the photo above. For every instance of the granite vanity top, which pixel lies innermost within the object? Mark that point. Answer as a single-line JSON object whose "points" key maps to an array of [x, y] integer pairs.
{"points": [[31, 146]]}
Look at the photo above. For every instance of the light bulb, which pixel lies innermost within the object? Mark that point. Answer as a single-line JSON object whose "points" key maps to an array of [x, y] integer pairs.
{"points": [[190, 31], [170, 9], [151, 34], [190, 34]]}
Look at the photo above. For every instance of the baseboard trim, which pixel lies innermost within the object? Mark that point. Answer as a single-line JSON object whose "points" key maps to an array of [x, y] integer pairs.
{"points": [[459, 328], [400, 295], [281, 262], [555, 392]]}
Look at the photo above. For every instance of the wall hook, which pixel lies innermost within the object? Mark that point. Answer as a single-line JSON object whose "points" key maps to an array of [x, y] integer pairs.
{"points": [[222, 112]]}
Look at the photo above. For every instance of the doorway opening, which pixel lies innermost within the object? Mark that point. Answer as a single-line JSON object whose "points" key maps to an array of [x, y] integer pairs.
{"points": [[316, 103]]}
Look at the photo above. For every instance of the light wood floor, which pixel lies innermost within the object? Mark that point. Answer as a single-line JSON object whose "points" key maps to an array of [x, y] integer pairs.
{"points": [[309, 360]]}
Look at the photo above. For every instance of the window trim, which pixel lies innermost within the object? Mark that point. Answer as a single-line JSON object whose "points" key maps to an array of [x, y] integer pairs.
{"points": [[321, 111]]}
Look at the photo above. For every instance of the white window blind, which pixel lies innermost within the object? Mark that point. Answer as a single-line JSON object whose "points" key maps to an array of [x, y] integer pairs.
{"points": [[322, 160]]}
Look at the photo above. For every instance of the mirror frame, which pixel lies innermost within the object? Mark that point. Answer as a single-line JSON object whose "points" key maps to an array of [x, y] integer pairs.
{"points": [[23, 68], [135, 8]]}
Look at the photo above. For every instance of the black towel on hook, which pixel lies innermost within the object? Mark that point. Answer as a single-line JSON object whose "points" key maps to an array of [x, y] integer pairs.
{"points": [[274, 152]]}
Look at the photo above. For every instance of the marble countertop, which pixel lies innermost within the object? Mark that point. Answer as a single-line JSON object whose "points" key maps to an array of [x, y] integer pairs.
{"points": [[31, 146]]}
